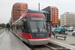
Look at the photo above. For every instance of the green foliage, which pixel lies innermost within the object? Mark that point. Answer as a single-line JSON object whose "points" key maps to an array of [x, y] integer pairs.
{"points": [[8, 25], [2, 25], [59, 22]]}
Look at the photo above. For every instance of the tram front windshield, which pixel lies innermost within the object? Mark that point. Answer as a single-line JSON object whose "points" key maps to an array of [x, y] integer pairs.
{"points": [[38, 26]]}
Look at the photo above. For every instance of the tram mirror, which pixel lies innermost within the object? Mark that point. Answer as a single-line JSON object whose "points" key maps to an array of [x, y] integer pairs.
{"points": [[24, 19]]}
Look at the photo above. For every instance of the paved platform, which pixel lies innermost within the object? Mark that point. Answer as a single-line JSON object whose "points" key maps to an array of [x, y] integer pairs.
{"points": [[69, 40], [8, 41], [65, 43], [1, 30]]}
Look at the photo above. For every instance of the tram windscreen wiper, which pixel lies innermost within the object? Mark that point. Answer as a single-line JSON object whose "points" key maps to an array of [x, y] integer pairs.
{"points": [[38, 29], [43, 26]]}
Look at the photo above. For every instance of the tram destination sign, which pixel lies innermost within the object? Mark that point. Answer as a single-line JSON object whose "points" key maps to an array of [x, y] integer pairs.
{"points": [[37, 18]]}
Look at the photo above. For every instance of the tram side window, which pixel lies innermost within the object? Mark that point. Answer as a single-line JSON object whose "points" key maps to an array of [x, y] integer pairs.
{"points": [[19, 26], [22, 26], [26, 27]]}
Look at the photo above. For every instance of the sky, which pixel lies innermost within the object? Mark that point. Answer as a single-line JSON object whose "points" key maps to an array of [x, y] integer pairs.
{"points": [[62, 5]]}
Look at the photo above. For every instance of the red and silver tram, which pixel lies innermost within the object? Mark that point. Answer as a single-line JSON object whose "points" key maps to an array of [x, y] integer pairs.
{"points": [[31, 28]]}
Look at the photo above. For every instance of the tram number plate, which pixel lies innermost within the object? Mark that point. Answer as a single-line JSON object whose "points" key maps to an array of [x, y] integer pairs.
{"points": [[40, 34]]}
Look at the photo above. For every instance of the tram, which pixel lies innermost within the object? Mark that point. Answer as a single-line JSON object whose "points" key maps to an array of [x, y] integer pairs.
{"points": [[31, 28]]}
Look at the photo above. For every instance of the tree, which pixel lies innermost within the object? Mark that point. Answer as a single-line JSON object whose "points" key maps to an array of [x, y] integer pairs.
{"points": [[2, 25], [59, 22], [7, 25]]}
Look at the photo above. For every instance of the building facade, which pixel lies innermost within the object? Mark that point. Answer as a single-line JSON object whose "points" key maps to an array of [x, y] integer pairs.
{"points": [[52, 16], [67, 19], [18, 10]]}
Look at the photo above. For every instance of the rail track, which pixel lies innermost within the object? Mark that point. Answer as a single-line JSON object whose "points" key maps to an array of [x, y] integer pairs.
{"points": [[49, 46], [55, 47]]}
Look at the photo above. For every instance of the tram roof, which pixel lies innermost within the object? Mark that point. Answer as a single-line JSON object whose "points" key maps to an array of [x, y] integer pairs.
{"points": [[29, 11]]}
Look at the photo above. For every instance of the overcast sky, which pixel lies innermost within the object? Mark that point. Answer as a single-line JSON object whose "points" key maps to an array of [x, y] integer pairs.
{"points": [[62, 5]]}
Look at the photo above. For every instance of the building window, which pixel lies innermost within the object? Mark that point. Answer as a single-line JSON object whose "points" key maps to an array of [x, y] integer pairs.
{"points": [[52, 8], [23, 7], [23, 10], [26, 8], [54, 15]]}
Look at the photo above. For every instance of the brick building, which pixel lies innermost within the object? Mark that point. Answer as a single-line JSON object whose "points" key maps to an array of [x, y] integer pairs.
{"points": [[52, 16], [18, 10]]}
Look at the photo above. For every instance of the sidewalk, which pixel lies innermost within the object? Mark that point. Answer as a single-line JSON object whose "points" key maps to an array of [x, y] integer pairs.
{"points": [[68, 43], [69, 40]]}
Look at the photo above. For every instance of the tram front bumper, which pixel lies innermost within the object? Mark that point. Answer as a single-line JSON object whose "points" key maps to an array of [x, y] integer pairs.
{"points": [[38, 41]]}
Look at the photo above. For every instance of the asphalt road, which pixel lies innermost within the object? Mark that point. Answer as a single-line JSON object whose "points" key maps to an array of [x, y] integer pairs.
{"points": [[69, 33]]}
